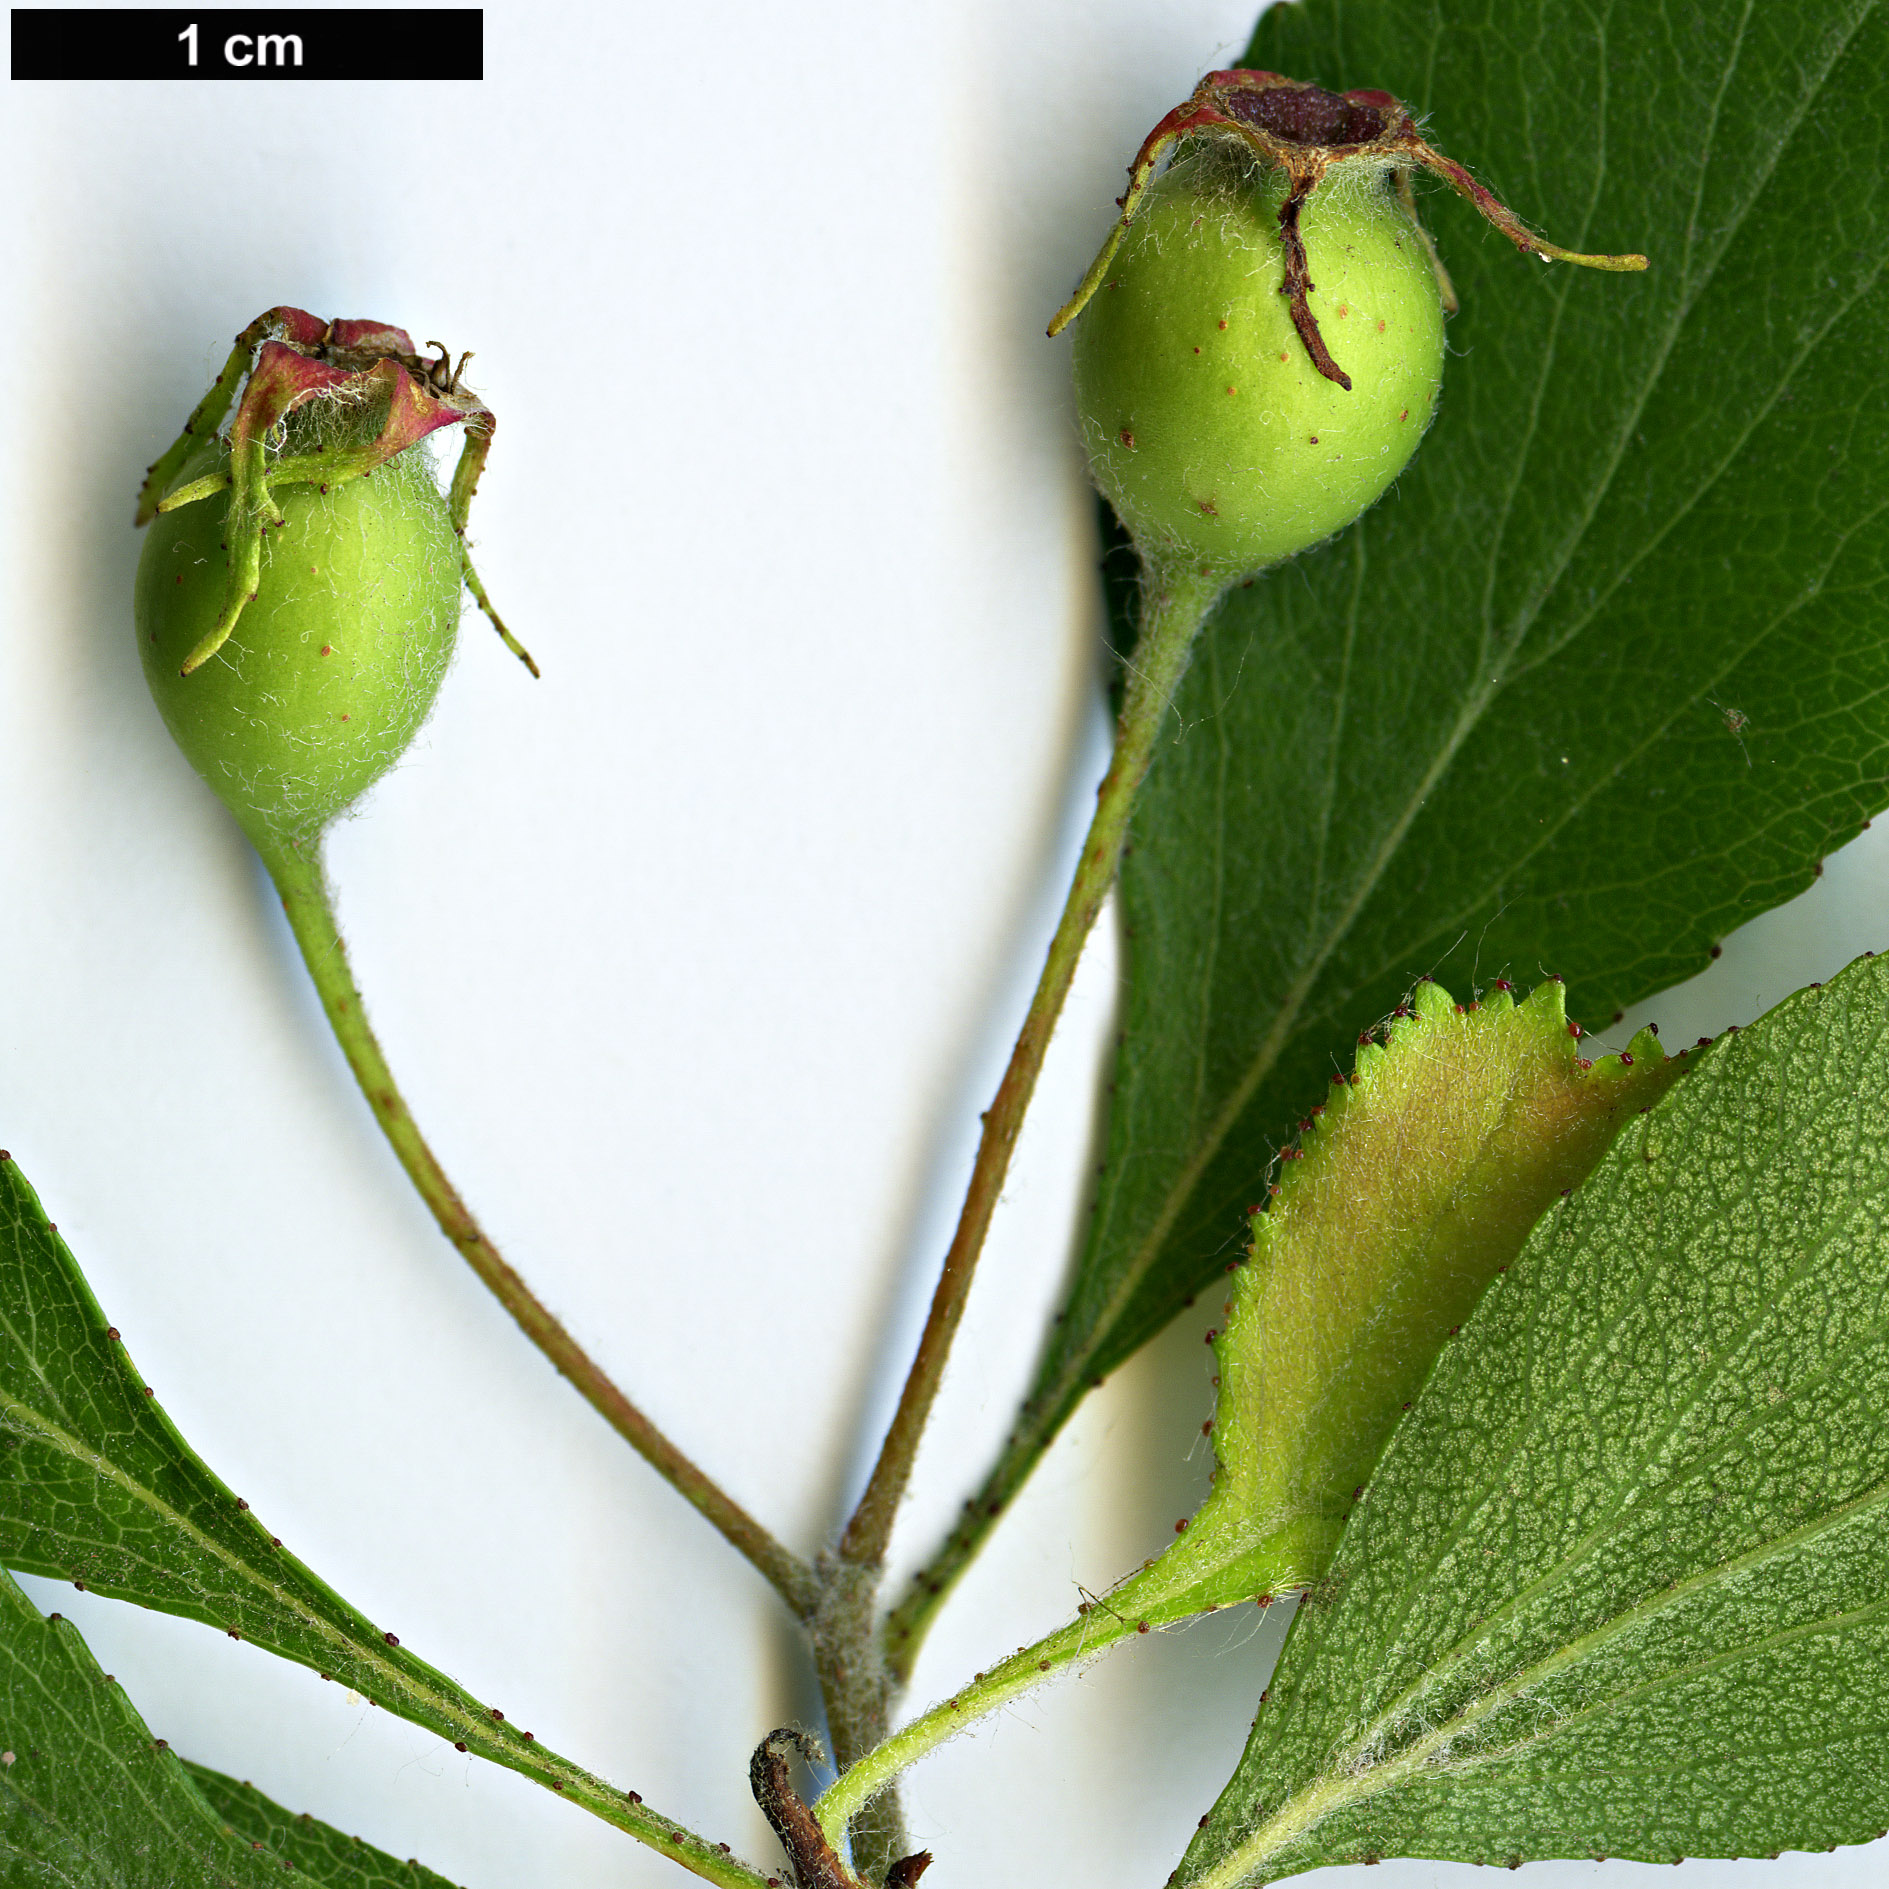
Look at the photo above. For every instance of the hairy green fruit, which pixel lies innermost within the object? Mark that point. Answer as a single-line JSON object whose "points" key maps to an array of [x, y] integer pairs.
{"points": [[1264, 332], [1208, 425], [298, 597], [335, 661]]}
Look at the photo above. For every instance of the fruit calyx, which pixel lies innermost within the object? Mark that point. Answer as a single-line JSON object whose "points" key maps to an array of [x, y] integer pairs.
{"points": [[291, 358], [1307, 131]]}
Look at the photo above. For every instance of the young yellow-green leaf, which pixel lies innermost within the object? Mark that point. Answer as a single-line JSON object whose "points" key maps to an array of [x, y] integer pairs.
{"points": [[1620, 1585], [1603, 678], [318, 1851], [1413, 1185], [88, 1798], [1408, 1192], [98, 1488]]}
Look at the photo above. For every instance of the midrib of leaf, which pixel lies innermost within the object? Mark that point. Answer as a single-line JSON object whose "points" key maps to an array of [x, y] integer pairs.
{"points": [[1498, 675], [1761, 411], [391, 1682], [1302, 1812], [16, 1416], [1550, 354], [1340, 706], [1202, 1065], [1576, 804], [1283, 1025]]}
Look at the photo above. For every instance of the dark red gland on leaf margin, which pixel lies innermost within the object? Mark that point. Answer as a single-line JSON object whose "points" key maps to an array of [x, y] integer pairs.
{"points": [[292, 358], [1305, 131]]}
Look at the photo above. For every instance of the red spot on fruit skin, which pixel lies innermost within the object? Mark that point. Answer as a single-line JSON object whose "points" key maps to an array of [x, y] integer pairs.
{"points": [[327, 649], [1127, 439]]}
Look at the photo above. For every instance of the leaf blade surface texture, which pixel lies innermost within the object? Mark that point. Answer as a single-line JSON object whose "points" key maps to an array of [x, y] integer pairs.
{"points": [[317, 1850], [88, 1798], [1603, 678], [1620, 1586]]}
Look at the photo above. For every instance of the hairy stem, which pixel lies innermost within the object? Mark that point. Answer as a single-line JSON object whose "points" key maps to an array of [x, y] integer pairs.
{"points": [[857, 1692], [857, 1681], [908, 1623], [300, 879], [1213, 1568], [1175, 608]]}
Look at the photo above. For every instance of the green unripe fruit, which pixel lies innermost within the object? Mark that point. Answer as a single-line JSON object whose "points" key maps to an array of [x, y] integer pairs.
{"points": [[1262, 334], [336, 659], [298, 597], [1208, 426]]}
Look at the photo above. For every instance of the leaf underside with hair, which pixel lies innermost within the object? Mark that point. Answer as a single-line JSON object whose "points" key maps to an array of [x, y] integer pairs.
{"points": [[1601, 680], [90, 1800], [1620, 1585]]}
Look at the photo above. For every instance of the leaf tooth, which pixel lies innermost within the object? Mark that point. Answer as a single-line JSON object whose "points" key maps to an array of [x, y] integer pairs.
{"points": [[1549, 1001]]}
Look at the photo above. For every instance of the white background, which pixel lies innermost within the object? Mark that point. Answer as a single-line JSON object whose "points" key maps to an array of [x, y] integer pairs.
{"points": [[697, 959]]}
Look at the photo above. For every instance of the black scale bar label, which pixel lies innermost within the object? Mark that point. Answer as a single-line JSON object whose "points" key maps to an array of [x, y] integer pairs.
{"points": [[248, 43]]}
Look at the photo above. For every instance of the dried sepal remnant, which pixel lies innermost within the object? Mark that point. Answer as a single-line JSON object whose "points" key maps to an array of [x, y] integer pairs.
{"points": [[285, 360], [1308, 133], [813, 1860]]}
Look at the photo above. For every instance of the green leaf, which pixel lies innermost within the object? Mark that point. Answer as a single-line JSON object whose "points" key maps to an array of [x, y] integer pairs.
{"points": [[88, 1799], [1621, 1583], [1602, 679], [98, 1488], [318, 1850]]}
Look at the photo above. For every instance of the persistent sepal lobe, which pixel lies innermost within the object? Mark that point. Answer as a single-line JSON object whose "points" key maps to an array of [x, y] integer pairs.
{"points": [[1307, 132], [284, 360]]}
